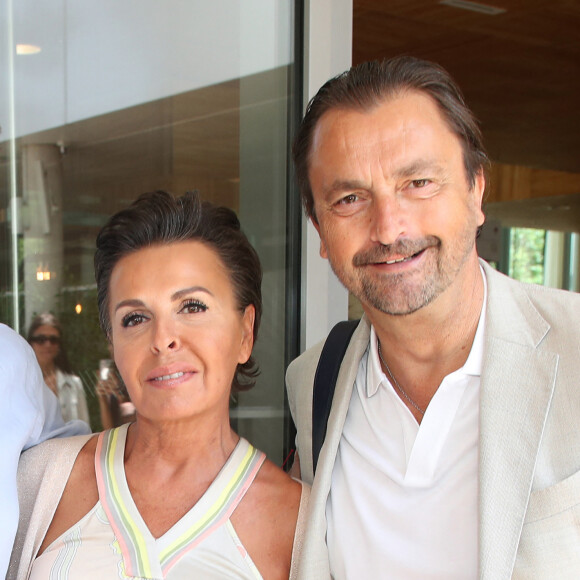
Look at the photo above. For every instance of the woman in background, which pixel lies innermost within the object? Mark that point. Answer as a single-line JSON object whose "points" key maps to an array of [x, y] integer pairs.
{"points": [[45, 337]]}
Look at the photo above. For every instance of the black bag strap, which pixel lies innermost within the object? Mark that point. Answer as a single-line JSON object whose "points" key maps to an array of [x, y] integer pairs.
{"points": [[325, 380]]}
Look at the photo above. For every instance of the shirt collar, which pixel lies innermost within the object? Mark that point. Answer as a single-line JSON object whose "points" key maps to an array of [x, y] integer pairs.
{"points": [[472, 366], [474, 362]]}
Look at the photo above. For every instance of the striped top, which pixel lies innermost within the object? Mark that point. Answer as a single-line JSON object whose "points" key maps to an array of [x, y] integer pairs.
{"points": [[112, 540]]}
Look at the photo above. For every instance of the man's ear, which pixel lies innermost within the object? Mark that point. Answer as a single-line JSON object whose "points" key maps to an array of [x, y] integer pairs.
{"points": [[478, 191], [323, 252]]}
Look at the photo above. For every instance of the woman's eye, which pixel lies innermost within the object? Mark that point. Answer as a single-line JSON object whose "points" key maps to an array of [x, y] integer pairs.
{"points": [[132, 319], [193, 306]]}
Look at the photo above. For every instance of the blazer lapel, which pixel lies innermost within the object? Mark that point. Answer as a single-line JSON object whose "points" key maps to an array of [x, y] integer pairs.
{"points": [[315, 554], [340, 404], [516, 390]]}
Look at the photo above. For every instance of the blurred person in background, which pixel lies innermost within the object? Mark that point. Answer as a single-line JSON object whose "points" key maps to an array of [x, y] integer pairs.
{"points": [[115, 406], [45, 336]]}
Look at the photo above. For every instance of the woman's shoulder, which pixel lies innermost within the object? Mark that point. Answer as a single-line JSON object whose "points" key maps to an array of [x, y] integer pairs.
{"points": [[48, 466], [63, 377], [266, 520], [43, 473], [52, 453], [283, 495], [274, 480]]}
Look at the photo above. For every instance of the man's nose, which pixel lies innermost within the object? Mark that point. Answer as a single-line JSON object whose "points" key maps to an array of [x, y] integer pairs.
{"points": [[388, 219]]}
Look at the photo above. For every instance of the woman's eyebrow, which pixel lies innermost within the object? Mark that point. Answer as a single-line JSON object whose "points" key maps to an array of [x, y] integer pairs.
{"points": [[130, 302], [181, 293]]}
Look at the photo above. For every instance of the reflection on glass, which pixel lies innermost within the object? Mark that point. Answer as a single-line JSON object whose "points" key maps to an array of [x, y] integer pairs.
{"points": [[191, 96]]}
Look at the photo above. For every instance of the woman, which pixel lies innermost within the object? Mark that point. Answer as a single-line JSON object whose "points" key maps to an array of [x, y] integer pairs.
{"points": [[45, 337], [176, 494]]}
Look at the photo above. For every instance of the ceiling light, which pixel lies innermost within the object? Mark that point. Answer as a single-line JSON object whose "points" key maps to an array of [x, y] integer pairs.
{"points": [[27, 49], [473, 6]]}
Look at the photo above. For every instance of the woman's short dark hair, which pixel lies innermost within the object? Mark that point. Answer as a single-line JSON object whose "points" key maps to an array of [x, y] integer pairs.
{"points": [[48, 319], [158, 218], [369, 84]]}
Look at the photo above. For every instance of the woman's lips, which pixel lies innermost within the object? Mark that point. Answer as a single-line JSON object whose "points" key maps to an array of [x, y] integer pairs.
{"points": [[169, 376]]}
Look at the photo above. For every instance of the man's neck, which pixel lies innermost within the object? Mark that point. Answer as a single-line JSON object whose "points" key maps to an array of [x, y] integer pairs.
{"points": [[443, 325], [423, 347]]}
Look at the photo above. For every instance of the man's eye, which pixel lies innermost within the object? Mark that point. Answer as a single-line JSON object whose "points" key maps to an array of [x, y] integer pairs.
{"points": [[419, 183], [132, 319], [352, 198]]}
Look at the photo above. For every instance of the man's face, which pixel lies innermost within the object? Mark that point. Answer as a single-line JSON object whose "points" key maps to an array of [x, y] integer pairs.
{"points": [[396, 217]]}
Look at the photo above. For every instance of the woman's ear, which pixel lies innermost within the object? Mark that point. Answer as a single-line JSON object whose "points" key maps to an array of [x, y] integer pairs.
{"points": [[247, 343]]}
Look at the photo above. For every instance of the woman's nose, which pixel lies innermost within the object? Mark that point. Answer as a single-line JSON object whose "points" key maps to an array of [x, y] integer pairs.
{"points": [[164, 338]]}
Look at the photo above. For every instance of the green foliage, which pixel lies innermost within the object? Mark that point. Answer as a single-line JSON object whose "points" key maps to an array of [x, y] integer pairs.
{"points": [[84, 342], [526, 261]]}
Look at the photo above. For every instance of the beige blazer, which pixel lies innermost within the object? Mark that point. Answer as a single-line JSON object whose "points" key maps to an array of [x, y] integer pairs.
{"points": [[529, 435]]}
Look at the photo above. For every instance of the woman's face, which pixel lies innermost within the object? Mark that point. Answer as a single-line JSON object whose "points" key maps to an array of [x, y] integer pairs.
{"points": [[45, 342], [177, 332]]}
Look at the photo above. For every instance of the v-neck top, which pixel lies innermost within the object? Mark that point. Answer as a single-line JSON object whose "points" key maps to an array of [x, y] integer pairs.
{"points": [[113, 541]]}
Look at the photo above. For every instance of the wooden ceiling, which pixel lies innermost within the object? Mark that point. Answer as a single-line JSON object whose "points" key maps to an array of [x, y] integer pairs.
{"points": [[519, 71]]}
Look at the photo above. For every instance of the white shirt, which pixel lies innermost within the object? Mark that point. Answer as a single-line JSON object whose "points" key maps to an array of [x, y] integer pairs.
{"points": [[71, 396], [29, 414], [404, 497]]}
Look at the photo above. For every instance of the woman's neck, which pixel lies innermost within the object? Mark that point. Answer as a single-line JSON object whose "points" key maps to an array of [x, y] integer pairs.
{"points": [[48, 369], [49, 376], [207, 443]]}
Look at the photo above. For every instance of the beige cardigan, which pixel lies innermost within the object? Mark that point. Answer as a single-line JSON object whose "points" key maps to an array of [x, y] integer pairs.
{"points": [[42, 475], [43, 472]]}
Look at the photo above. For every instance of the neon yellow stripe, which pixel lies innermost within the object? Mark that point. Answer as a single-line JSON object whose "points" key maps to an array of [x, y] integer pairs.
{"points": [[136, 535], [217, 506]]}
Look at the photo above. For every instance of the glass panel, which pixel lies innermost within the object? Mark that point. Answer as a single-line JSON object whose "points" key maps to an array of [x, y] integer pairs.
{"points": [[526, 259], [108, 100], [545, 257]]}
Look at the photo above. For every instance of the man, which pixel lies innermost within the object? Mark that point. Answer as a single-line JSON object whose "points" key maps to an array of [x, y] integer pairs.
{"points": [[453, 442], [30, 414]]}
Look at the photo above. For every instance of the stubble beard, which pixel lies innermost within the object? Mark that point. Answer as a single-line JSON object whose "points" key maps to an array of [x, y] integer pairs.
{"points": [[400, 294]]}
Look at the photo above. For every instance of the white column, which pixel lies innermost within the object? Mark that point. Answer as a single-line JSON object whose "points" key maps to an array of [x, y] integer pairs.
{"points": [[327, 52], [42, 228], [554, 259], [574, 284]]}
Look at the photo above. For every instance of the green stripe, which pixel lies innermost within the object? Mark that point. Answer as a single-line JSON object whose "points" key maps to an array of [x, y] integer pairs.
{"points": [[137, 548], [216, 510]]}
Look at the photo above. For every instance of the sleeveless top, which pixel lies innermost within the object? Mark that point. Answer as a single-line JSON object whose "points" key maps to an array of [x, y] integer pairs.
{"points": [[112, 540]]}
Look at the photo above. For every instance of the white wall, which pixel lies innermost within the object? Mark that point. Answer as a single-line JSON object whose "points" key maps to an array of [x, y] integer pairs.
{"points": [[93, 63], [328, 51]]}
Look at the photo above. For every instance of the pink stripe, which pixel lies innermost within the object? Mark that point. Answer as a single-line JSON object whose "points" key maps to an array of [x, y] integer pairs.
{"points": [[247, 483], [102, 485]]}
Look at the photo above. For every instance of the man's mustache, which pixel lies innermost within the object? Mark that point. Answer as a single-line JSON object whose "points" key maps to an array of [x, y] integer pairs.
{"points": [[400, 249]]}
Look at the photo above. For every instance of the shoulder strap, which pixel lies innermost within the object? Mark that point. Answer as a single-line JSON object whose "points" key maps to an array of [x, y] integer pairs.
{"points": [[325, 380]]}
